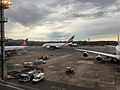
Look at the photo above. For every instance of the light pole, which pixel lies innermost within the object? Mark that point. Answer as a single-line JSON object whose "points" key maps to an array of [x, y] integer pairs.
{"points": [[4, 4]]}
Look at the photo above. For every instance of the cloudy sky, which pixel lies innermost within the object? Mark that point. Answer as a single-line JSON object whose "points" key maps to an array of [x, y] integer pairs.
{"points": [[44, 20]]}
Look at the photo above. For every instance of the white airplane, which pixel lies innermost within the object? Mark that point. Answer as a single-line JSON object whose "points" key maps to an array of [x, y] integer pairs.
{"points": [[11, 49], [99, 57], [58, 45]]}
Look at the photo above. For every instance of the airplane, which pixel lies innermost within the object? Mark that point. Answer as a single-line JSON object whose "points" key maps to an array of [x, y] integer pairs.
{"points": [[58, 45], [12, 49], [99, 57]]}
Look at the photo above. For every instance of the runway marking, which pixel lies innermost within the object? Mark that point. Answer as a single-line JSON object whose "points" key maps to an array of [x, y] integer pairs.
{"points": [[54, 59], [18, 85], [12, 86], [32, 52], [87, 79], [58, 88], [85, 62]]}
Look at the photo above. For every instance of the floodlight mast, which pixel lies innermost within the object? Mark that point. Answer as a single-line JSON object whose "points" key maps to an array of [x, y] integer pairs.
{"points": [[4, 4]]}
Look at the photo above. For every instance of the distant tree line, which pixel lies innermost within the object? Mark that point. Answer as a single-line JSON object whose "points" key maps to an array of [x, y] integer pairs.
{"points": [[11, 42], [98, 43]]}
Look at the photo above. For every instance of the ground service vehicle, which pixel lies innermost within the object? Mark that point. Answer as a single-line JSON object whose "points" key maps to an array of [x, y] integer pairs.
{"points": [[38, 78], [28, 76], [70, 70], [40, 61], [28, 64]]}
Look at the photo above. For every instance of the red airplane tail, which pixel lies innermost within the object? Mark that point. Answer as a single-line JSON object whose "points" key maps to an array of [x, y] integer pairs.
{"points": [[25, 42]]}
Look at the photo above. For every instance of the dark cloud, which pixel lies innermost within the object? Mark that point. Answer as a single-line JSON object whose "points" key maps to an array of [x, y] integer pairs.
{"points": [[31, 12], [56, 15], [75, 8], [99, 14], [98, 2], [58, 35], [28, 14]]}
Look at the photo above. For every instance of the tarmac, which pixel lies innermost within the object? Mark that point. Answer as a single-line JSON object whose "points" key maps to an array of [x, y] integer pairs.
{"points": [[89, 74]]}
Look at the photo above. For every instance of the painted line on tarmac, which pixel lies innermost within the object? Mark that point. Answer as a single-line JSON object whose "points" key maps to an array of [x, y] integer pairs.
{"points": [[12, 86], [18, 85], [55, 59]]}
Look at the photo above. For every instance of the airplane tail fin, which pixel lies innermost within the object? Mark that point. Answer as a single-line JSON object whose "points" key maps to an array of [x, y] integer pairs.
{"points": [[69, 41], [25, 42]]}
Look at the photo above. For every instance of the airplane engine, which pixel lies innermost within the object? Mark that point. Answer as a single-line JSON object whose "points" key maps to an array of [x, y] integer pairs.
{"points": [[98, 58], [48, 47], [85, 54]]}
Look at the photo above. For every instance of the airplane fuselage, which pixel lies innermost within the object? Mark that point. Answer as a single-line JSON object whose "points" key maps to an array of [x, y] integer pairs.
{"points": [[8, 48], [57, 45]]}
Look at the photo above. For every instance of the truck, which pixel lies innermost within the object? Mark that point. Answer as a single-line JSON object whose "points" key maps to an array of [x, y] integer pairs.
{"points": [[25, 77], [38, 78]]}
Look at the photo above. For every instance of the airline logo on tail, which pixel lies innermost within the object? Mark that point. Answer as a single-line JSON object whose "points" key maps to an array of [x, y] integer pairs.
{"points": [[69, 41], [25, 42]]}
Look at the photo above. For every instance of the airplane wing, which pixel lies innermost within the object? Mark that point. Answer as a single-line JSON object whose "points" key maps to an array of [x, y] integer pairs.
{"points": [[100, 53], [110, 46]]}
